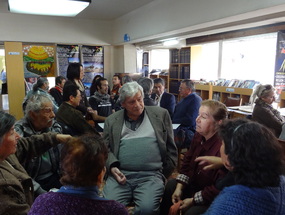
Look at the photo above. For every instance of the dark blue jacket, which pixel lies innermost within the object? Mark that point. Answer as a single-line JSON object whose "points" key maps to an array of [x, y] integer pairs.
{"points": [[186, 111]]}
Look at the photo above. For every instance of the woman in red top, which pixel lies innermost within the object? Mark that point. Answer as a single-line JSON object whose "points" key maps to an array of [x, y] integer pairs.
{"points": [[195, 186]]}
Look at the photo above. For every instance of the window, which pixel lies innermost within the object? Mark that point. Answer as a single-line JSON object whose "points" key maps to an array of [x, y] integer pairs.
{"points": [[247, 58]]}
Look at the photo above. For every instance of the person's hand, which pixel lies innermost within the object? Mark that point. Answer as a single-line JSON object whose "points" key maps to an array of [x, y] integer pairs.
{"points": [[118, 175], [212, 162], [90, 110], [63, 138], [186, 203], [176, 196]]}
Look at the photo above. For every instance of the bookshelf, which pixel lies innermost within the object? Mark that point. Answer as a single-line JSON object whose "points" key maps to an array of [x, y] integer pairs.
{"points": [[204, 91], [220, 93], [179, 68], [282, 100]]}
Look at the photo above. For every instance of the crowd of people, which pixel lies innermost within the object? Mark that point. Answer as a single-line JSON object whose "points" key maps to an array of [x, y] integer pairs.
{"points": [[58, 160]]}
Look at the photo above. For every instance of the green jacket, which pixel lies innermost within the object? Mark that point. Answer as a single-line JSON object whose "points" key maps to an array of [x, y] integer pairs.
{"points": [[161, 122]]}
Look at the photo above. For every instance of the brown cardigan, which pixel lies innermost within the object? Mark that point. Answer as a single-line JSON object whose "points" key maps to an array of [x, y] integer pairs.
{"points": [[16, 187]]}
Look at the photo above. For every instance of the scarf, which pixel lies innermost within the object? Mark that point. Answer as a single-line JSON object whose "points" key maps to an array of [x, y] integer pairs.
{"points": [[79, 84], [91, 192], [101, 97]]}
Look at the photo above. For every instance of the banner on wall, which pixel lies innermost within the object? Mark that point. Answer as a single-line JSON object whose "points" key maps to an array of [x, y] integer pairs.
{"points": [[66, 54], [38, 61], [92, 57], [279, 78]]}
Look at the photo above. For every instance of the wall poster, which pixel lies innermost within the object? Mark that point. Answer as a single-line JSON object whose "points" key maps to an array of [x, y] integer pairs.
{"points": [[279, 78], [39, 60], [66, 54], [93, 64]]}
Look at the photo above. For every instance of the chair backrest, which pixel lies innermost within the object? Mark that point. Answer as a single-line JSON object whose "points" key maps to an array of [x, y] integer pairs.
{"points": [[233, 101]]}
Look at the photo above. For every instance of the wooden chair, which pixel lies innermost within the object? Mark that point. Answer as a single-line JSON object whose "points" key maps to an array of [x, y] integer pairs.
{"points": [[233, 101]]}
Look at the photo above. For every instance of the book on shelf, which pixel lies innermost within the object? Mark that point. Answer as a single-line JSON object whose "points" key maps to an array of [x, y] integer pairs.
{"points": [[250, 84]]}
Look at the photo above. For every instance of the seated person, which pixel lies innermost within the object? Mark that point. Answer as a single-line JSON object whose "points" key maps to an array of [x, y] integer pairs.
{"points": [[39, 118], [56, 92], [68, 114], [116, 87], [101, 102], [142, 151], [185, 113], [93, 86], [254, 156], [263, 111], [83, 167], [41, 87], [16, 187], [147, 85], [164, 99], [194, 186]]}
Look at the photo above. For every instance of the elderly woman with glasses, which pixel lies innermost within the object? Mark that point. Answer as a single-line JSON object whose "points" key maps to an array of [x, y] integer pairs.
{"points": [[256, 161], [263, 112]]}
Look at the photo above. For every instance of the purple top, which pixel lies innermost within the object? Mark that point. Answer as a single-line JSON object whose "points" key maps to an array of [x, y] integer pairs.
{"points": [[61, 203]]}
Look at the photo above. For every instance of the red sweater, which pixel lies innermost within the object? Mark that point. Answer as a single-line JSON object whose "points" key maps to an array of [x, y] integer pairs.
{"points": [[193, 176]]}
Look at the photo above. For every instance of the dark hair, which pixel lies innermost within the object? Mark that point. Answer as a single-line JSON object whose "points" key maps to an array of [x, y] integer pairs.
{"points": [[83, 159], [40, 82], [73, 71], [254, 153], [159, 81], [189, 84], [98, 82], [93, 87], [118, 78], [59, 79], [6, 123], [146, 83], [69, 90]]}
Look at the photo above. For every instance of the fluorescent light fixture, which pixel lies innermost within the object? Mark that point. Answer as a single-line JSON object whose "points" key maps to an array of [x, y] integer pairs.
{"points": [[48, 7], [170, 42]]}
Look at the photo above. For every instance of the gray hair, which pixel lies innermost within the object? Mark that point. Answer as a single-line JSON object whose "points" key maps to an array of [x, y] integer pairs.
{"points": [[126, 79], [146, 83], [261, 91], [189, 84], [130, 89], [35, 103]]}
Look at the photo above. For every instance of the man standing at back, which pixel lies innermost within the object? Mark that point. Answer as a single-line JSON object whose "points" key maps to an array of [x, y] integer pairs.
{"points": [[164, 99], [142, 152], [186, 112]]}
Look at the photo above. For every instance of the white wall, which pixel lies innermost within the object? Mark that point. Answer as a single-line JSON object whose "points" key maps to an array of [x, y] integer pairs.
{"points": [[164, 17], [33, 28]]}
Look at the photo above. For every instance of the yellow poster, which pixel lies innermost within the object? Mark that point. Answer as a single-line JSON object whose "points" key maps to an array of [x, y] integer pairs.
{"points": [[39, 59]]}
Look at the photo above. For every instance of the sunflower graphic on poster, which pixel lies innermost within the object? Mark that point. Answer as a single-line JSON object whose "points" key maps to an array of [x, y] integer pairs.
{"points": [[39, 60]]}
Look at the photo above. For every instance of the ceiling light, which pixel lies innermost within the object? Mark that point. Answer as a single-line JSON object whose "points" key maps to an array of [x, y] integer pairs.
{"points": [[170, 42], [48, 7]]}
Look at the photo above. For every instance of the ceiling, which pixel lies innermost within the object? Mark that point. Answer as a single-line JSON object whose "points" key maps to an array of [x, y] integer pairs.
{"points": [[100, 9]]}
